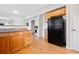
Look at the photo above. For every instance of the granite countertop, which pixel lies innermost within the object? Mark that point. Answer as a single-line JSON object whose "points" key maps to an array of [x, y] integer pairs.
{"points": [[2, 30]]}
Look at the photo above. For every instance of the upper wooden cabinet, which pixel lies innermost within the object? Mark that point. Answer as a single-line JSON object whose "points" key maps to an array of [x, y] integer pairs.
{"points": [[56, 12]]}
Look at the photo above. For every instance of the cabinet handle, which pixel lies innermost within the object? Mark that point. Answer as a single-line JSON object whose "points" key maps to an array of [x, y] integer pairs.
{"points": [[74, 30]]}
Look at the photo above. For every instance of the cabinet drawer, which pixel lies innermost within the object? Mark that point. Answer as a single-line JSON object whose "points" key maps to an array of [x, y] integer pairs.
{"points": [[3, 35], [15, 33]]}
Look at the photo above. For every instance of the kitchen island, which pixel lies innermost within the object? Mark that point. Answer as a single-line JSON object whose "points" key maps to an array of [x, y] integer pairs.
{"points": [[13, 39]]}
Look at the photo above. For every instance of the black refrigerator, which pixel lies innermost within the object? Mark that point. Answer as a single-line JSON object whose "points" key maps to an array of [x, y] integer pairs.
{"points": [[56, 31]]}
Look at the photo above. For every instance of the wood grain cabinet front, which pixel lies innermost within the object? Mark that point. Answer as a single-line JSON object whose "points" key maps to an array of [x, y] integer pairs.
{"points": [[10, 42], [28, 38], [16, 42], [4, 45], [56, 12]]}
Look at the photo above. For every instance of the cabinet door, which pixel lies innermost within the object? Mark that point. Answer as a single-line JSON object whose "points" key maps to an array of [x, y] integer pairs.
{"points": [[17, 42], [4, 45], [28, 36]]}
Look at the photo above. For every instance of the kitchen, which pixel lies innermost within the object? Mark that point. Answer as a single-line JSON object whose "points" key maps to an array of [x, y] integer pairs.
{"points": [[17, 32]]}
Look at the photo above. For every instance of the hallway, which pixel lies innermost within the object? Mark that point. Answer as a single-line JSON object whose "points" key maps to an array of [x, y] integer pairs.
{"points": [[40, 46]]}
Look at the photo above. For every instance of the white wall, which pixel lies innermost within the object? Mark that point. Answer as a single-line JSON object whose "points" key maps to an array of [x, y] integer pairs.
{"points": [[39, 19], [44, 10], [4, 21], [29, 22], [36, 24], [41, 26], [18, 21], [13, 21]]}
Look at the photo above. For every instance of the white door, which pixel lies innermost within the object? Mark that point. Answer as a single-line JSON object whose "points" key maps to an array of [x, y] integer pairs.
{"points": [[74, 28], [77, 14]]}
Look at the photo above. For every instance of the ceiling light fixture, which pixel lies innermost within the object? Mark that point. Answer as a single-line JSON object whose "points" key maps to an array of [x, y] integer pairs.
{"points": [[15, 12]]}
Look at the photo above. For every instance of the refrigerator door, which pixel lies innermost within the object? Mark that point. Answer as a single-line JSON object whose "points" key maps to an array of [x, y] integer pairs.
{"points": [[56, 31]]}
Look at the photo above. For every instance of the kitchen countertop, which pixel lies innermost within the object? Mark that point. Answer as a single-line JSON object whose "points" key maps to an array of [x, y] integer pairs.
{"points": [[3, 30]]}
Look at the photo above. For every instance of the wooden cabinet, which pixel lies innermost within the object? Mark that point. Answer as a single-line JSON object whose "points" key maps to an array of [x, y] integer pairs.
{"points": [[56, 12], [4, 45], [28, 38], [46, 35], [12, 41], [27, 43], [17, 41]]}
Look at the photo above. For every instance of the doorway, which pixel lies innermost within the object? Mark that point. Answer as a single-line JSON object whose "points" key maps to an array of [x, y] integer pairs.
{"points": [[33, 27]]}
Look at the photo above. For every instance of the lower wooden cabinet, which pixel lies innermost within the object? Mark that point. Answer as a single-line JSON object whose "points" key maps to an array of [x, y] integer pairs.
{"points": [[4, 45], [28, 43], [28, 38], [46, 35], [14, 41]]}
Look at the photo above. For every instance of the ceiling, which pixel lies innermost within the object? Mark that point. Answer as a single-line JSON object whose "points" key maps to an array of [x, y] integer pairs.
{"points": [[6, 10]]}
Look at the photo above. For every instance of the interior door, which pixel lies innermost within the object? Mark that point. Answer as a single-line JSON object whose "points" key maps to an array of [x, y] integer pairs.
{"points": [[73, 28], [33, 26], [77, 14]]}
